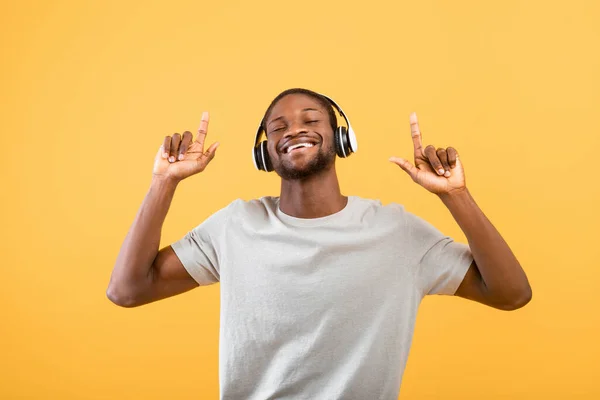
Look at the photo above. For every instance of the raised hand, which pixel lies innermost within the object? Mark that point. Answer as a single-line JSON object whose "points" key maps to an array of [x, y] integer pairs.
{"points": [[179, 157], [439, 171]]}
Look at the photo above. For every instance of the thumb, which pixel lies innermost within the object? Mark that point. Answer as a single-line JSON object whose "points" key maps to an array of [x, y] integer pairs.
{"points": [[212, 150], [208, 156], [406, 166]]}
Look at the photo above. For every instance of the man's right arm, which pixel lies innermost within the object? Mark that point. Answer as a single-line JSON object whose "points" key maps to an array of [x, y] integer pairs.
{"points": [[143, 274]]}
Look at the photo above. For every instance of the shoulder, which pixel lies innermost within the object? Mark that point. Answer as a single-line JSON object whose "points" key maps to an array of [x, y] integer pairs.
{"points": [[237, 211], [377, 208], [397, 218], [262, 205], [392, 214], [259, 209]]}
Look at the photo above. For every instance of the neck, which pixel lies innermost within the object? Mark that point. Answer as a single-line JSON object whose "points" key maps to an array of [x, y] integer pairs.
{"points": [[313, 197]]}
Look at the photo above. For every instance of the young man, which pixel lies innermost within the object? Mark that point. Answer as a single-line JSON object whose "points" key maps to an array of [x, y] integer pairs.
{"points": [[319, 291]]}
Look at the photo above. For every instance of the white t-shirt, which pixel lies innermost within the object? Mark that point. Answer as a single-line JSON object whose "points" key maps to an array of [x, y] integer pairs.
{"points": [[319, 308]]}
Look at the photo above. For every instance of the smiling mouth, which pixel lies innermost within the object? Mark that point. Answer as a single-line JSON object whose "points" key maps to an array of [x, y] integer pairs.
{"points": [[298, 146]]}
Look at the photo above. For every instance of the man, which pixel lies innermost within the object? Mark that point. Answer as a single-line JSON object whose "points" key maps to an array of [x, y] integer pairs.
{"points": [[319, 291]]}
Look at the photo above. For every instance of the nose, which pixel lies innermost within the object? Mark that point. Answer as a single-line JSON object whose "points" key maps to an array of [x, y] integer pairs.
{"points": [[296, 129]]}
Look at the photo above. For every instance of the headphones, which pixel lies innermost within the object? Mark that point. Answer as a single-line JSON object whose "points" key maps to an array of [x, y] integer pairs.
{"points": [[344, 138]]}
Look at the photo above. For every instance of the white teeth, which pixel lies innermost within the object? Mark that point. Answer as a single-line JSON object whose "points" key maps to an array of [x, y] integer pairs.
{"points": [[297, 146]]}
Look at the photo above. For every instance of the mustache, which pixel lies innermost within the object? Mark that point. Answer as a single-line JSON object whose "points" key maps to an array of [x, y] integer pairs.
{"points": [[282, 145]]}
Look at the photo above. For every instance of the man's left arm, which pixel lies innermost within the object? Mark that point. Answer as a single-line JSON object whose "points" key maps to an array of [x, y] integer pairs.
{"points": [[495, 278]]}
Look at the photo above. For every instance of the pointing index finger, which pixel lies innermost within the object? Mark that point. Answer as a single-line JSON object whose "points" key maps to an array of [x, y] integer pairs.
{"points": [[203, 129], [415, 132]]}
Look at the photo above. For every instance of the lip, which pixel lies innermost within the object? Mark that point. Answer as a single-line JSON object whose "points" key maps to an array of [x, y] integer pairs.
{"points": [[300, 150], [294, 142]]}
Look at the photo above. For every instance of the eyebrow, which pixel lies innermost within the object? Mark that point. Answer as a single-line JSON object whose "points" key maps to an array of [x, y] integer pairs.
{"points": [[303, 110], [312, 109]]}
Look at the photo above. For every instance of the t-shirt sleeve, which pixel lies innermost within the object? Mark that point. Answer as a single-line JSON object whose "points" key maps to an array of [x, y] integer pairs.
{"points": [[443, 263], [198, 250]]}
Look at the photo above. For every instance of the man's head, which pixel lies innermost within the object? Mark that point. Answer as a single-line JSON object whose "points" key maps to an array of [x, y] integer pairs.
{"points": [[300, 125]]}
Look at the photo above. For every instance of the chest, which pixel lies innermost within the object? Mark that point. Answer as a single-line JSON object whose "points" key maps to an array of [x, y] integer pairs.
{"points": [[304, 273]]}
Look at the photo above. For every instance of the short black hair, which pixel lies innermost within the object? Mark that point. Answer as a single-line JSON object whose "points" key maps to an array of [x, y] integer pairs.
{"points": [[320, 98]]}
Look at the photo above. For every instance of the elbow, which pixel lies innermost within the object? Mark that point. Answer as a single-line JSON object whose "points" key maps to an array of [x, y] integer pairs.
{"points": [[120, 297], [518, 301]]}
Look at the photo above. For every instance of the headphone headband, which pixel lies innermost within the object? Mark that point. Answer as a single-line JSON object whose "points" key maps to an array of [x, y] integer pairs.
{"points": [[350, 130]]}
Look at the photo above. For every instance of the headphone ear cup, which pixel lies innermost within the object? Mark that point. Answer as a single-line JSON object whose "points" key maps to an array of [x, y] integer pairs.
{"points": [[342, 143], [258, 158], [336, 142], [265, 159]]}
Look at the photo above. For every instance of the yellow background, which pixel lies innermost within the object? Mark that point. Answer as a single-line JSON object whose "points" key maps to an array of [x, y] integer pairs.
{"points": [[89, 90]]}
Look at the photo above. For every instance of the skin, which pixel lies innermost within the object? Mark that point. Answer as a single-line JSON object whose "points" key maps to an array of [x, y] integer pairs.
{"points": [[296, 118], [143, 274], [495, 278], [309, 189]]}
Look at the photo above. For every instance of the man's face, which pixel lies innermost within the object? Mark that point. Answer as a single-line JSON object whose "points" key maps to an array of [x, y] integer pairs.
{"points": [[300, 138]]}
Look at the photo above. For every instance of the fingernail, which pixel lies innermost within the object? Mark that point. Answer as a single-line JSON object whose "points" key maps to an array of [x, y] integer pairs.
{"points": [[205, 115], [447, 174], [180, 157], [441, 171], [171, 159], [165, 155]]}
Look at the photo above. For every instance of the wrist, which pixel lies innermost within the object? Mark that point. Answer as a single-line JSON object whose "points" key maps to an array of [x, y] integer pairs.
{"points": [[164, 182], [454, 195]]}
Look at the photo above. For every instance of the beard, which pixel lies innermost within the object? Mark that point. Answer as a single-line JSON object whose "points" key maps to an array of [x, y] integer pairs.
{"points": [[320, 162]]}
